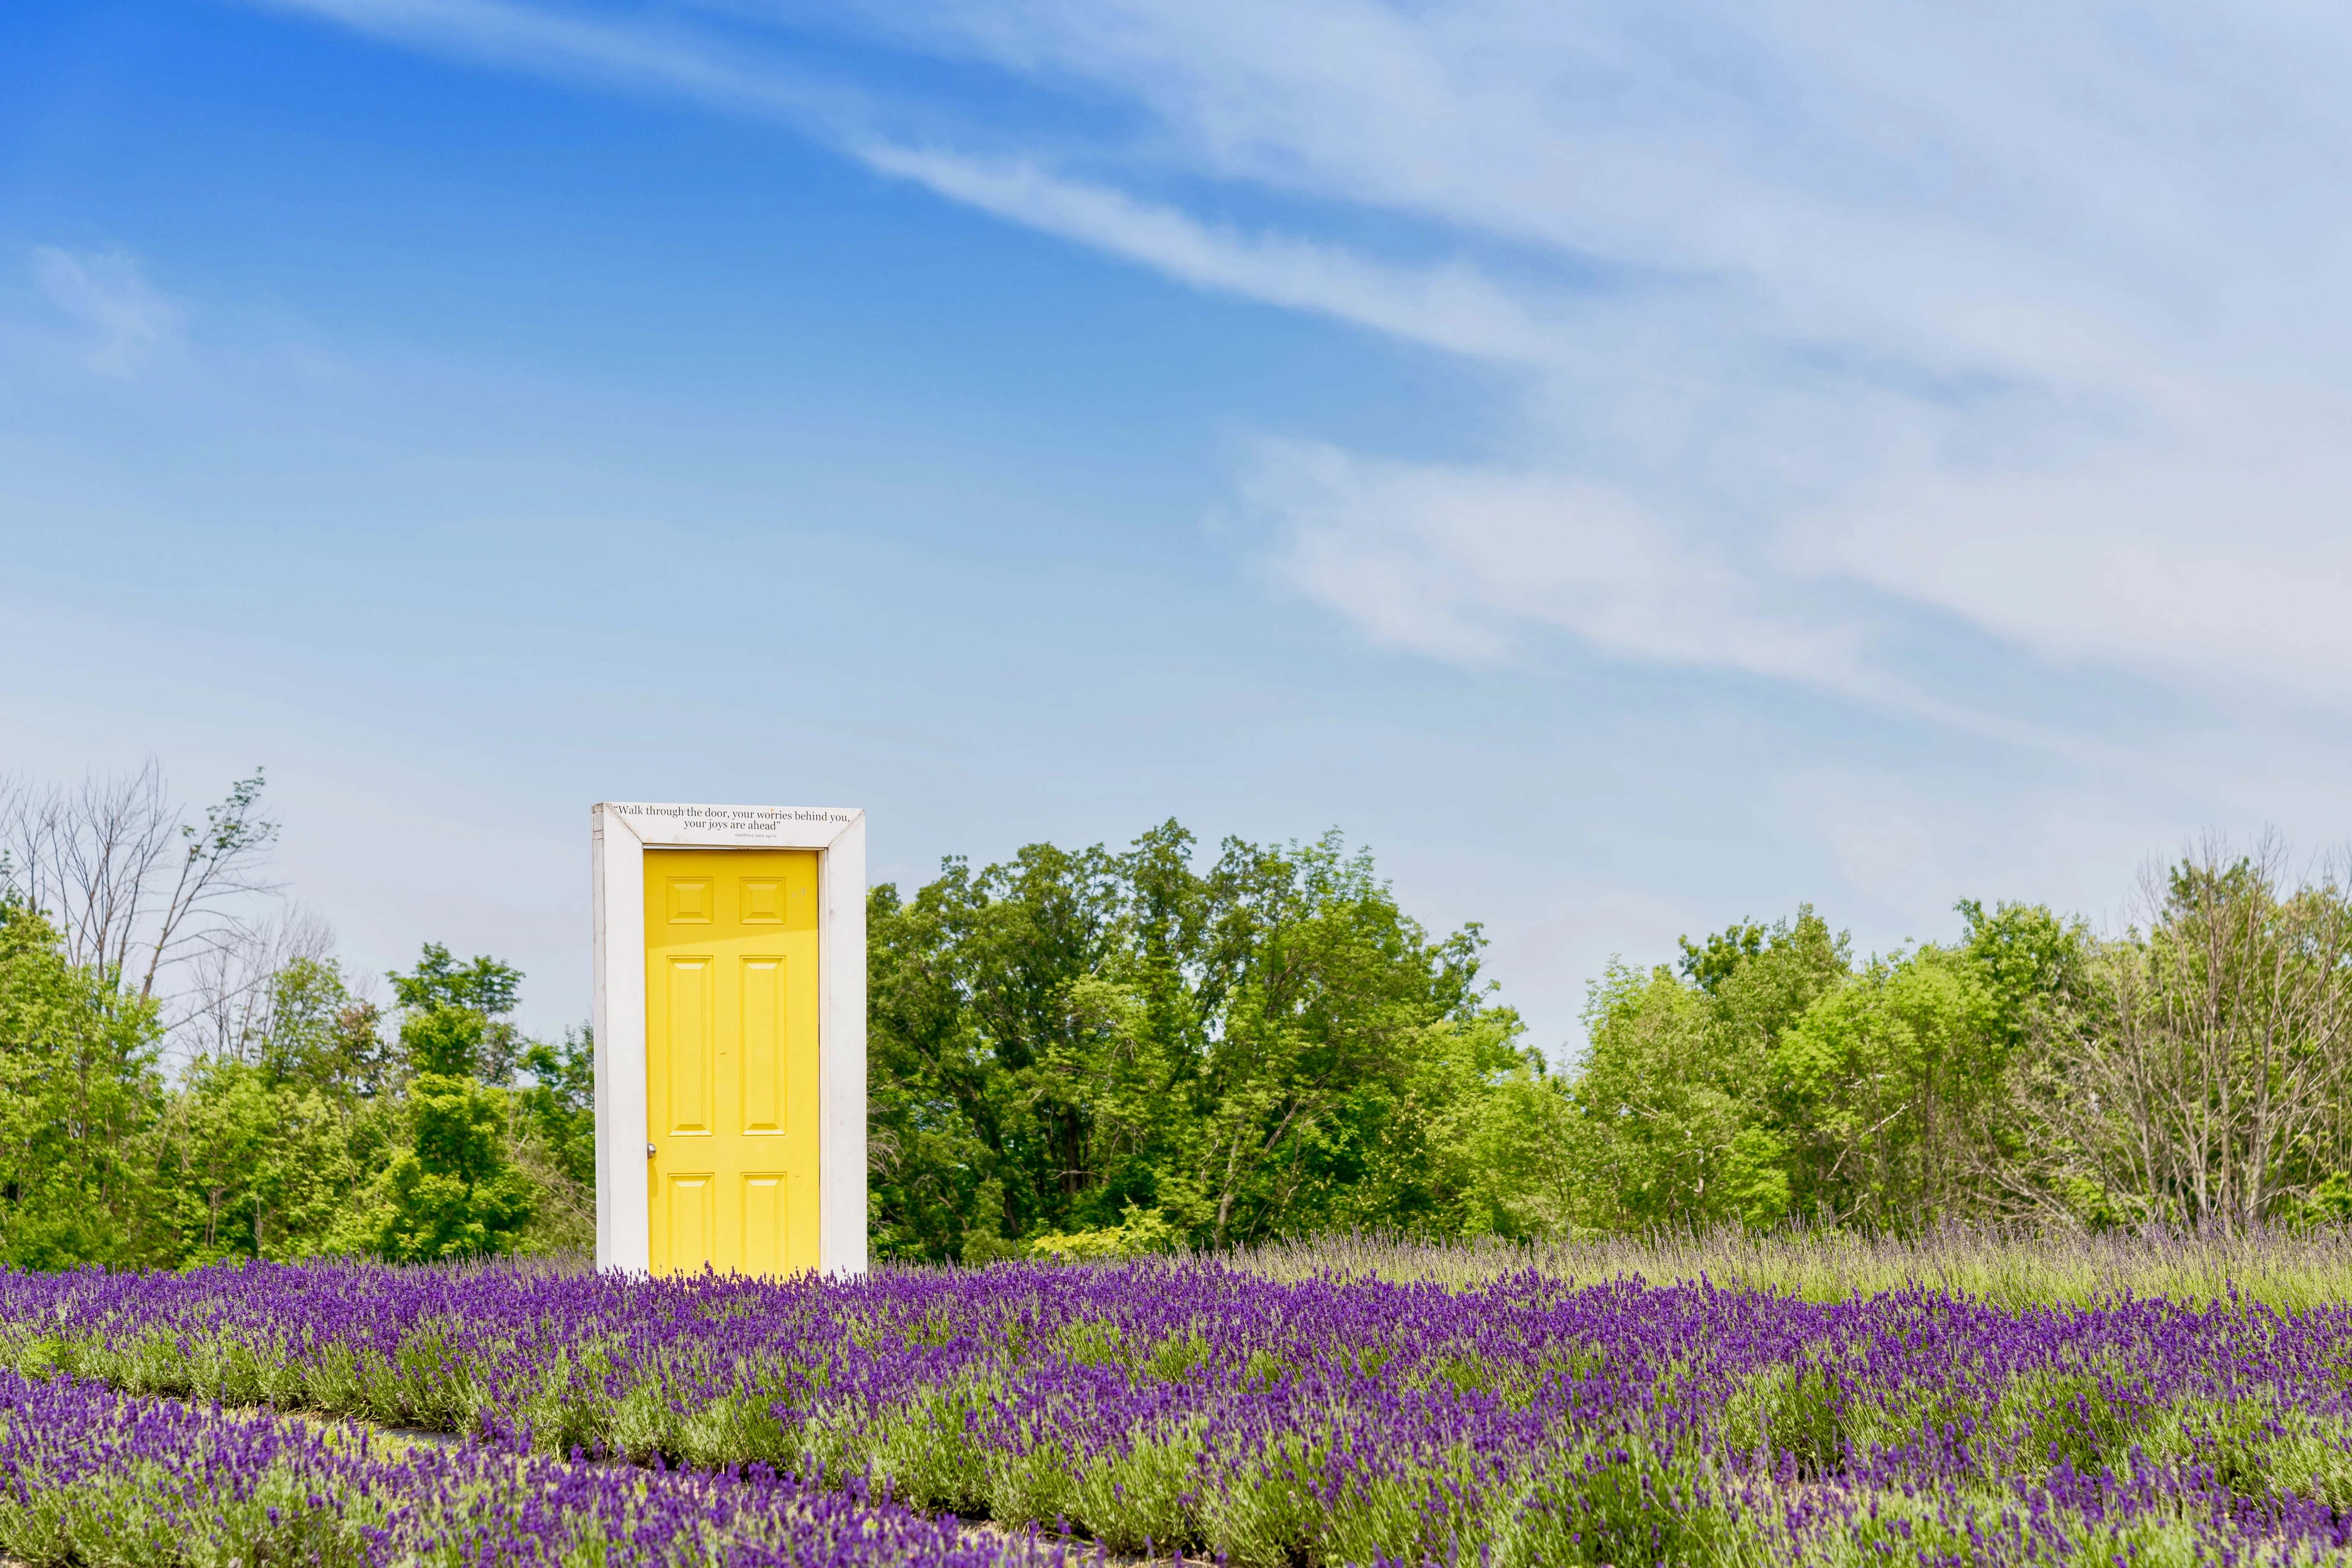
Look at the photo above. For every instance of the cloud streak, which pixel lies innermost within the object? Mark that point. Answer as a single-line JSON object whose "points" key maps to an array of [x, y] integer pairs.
{"points": [[124, 323], [1824, 322], [1453, 308], [632, 56], [1454, 561]]}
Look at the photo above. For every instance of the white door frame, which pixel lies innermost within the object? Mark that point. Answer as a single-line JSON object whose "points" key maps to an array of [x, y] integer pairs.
{"points": [[621, 835]]}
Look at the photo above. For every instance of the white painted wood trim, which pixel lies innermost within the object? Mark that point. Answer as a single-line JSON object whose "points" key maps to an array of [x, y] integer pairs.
{"points": [[623, 1225], [621, 833], [841, 949]]}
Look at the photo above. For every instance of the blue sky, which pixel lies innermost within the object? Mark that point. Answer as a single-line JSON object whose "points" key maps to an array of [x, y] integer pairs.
{"points": [[1632, 467]]}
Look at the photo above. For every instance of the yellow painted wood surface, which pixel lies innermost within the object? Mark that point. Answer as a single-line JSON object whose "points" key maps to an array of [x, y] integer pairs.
{"points": [[732, 1063]]}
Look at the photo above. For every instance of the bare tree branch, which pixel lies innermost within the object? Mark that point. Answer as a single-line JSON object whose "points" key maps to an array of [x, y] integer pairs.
{"points": [[2206, 1077], [137, 891]]}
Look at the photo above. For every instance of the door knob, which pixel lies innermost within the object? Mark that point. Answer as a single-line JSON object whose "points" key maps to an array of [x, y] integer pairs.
{"points": [[649, 1151]]}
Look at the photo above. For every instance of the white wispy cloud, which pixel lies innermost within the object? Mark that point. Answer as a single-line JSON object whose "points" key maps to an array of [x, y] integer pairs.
{"points": [[633, 54], [2025, 315], [1458, 561], [123, 323], [1448, 307], [2022, 315]]}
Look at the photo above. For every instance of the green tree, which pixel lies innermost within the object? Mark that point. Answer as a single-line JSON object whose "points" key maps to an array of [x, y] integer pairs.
{"points": [[2201, 1069], [79, 1090], [551, 1132], [1086, 1042], [1757, 998], [454, 1189], [443, 1041], [1501, 1141], [1676, 1121], [931, 1190], [269, 1148], [1327, 1001], [250, 1168], [321, 1037], [1876, 1091], [1709, 963], [453, 1194], [1669, 1126], [2031, 962], [455, 1015], [558, 1106]]}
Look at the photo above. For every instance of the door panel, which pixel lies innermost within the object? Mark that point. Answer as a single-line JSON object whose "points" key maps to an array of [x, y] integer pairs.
{"points": [[763, 900], [689, 1045], [689, 900], [766, 1223], [690, 1218], [765, 1017], [731, 1060]]}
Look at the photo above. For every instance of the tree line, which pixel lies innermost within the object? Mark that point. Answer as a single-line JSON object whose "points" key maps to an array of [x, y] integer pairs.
{"points": [[187, 1074], [1097, 1052], [1089, 1052]]}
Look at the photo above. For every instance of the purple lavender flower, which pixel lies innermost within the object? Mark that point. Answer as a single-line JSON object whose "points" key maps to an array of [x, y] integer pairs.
{"points": [[1155, 1406]]}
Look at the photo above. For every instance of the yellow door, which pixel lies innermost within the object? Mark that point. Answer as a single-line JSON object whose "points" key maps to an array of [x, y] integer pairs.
{"points": [[731, 1059]]}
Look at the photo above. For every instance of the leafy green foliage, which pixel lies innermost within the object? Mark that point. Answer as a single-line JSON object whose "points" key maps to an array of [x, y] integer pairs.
{"points": [[484, 985], [1088, 1043], [78, 1090], [322, 1137], [559, 1107], [1707, 965], [1874, 1088], [1772, 1078], [1091, 1053], [443, 1040], [1513, 1146], [1665, 1109], [1095, 1053], [455, 1019], [321, 1037], [457, 1190], [250, 1168], [453, 1194]]}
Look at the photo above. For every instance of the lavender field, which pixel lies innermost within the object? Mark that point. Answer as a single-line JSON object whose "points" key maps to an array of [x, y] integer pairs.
{"points": [[102, 1478], [1520, 1418]]}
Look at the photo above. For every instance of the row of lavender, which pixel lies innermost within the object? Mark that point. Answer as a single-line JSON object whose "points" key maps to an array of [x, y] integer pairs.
{"points": [[1523, 1422], [93, 1476]]}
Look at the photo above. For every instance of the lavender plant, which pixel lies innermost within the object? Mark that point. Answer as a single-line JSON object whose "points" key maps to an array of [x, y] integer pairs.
{"points": [[1522, 1420], [94, 1477]]}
